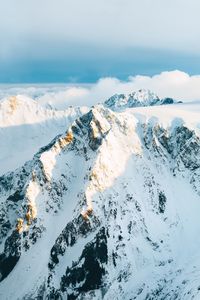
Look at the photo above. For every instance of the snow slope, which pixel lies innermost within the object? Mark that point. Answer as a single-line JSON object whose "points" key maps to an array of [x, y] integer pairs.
{"points": [[108, 209], [25, 126]]}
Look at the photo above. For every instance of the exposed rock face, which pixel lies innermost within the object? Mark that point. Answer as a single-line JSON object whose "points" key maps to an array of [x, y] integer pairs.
{"points": [[10, 255], [109, 209], [142, 97]]}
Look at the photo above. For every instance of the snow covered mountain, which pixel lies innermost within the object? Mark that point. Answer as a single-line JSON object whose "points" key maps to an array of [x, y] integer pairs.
{"points": [[142, 97], [109, 208], [26, 126]]}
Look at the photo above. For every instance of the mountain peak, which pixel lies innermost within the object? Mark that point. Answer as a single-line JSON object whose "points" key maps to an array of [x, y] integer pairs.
{"points": [[104, 206], [14, 103], [142, 97]]}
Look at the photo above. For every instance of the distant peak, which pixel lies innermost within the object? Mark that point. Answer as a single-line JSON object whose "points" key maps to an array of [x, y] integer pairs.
{"points": [[13, 103], [142, 97]]}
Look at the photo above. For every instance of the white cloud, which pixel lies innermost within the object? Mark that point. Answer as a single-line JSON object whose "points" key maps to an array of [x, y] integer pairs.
{"points": [[175, 84], [70, 96]]}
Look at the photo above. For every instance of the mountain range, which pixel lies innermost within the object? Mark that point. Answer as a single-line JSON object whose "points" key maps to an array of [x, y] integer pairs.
{"points": [[100, 202]]}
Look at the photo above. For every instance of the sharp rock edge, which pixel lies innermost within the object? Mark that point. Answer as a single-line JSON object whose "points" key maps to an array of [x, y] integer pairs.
{"points": [[143, 97], [108, 209]]}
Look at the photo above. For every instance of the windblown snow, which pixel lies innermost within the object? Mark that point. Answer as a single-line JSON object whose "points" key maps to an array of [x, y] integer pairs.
{"points": [[25, 126], [99, 203]]}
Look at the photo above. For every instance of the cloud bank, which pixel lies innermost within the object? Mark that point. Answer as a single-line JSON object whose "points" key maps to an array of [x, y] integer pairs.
{"points": [[175, 84], [81, 41], [171, 24]]}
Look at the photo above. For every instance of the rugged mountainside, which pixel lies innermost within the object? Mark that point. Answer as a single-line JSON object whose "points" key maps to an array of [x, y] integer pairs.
{"points": [[108, 209], [140, 98], [26, 126]]}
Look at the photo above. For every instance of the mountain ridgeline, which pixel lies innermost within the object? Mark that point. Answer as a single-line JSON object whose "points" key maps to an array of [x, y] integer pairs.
{"points": [[109, 208], [119, 102]]}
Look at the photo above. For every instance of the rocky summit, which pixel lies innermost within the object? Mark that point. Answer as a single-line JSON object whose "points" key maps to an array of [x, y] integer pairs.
{"points": [[108, 208], [141, 98]]}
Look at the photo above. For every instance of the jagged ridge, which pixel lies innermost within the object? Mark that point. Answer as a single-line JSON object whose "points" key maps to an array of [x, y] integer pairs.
{"points": [[142, 97], [111, 195]]}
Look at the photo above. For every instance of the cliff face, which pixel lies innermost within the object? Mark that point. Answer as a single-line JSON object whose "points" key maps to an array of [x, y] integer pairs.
{"points": [[108, 209]]}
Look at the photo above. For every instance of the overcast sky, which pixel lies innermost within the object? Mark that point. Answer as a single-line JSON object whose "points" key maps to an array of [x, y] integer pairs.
{"points": [[83, 40]]}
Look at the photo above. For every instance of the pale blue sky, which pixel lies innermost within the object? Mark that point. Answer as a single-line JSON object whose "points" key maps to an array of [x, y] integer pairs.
{"points": [[81, 41]]}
